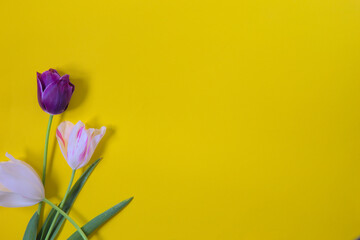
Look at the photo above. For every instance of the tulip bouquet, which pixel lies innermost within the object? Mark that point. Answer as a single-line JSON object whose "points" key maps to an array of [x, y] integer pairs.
{"points": [[21, 186]]}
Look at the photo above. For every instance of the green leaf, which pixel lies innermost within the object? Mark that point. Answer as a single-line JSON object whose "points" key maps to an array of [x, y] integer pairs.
{"points": [[45, 228], [74, 192], [31, 229], [96, 222]]}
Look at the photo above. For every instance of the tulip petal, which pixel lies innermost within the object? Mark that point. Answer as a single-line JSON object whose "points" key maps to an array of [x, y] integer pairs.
{"points": [[67, 88], [57, 95], [3, 188], [77, 145], [65, 78], [12, 159], [40, 85], [95, 137], [40, 90], [10, 199], [18, 177], [54, 91], [62, 134], [49, 77]]}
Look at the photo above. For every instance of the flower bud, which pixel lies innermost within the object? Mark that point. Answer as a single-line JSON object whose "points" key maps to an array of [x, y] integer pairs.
{"points": [[54, 91], [78, 144]]}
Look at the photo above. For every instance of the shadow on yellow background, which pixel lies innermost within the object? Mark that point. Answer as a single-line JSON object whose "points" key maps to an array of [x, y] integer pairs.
{"points": [[229, 119]]}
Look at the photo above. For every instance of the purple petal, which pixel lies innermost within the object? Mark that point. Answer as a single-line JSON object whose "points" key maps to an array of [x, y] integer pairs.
{"points": [[56, 96], [38, 75], [40, 92], [65, 80], [65, 77], [49, 77]]}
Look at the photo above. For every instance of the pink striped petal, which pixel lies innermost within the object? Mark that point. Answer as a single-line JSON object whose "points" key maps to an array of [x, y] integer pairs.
{"points": [[77, 145], [95, 136], [62, 134]]}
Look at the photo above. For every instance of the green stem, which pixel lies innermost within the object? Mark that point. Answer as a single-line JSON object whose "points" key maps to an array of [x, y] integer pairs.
{"points": [[61, 205], [45, 158], [69, 187], [67, 217], [46, 149]]}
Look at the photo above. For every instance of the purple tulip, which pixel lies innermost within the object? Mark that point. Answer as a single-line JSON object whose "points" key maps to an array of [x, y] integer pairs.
{"points": [[54, 91]]}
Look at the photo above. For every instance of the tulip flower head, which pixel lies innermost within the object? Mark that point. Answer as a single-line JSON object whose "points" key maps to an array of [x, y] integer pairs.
{"points": [[78, 144], [54, 91], [20, 185]]}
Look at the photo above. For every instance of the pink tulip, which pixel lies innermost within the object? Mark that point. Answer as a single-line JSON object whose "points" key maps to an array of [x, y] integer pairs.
{"points": [[20, 185], [78, 144]]}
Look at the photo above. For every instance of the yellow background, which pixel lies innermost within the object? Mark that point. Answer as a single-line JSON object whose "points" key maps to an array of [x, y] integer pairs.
{"points": [[226, 119]]}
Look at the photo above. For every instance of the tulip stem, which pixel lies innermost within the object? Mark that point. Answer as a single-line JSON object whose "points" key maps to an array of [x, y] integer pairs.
{"points": [[81, 232], [46, 148], [45, 158], [61, 205]]}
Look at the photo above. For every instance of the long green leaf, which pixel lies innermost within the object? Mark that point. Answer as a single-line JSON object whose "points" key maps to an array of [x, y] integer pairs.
{"points": [[31, 229], [96, 222], [74, 192]]}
